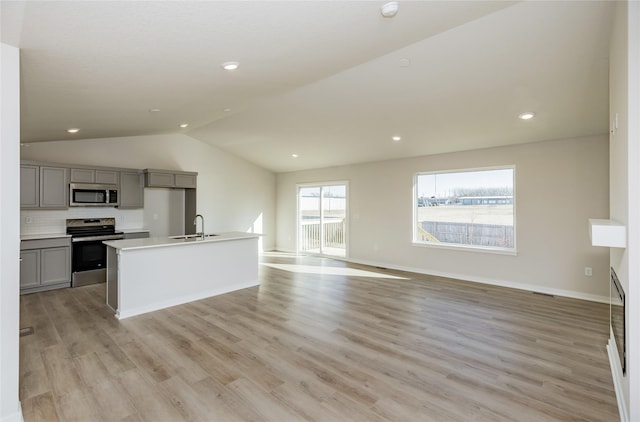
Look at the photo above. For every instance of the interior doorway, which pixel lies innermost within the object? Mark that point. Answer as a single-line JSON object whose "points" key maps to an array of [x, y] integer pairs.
{"points": [[322, 219]]}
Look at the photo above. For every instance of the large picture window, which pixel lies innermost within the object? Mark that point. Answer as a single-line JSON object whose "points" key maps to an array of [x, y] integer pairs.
{"points": [[466, 208]]}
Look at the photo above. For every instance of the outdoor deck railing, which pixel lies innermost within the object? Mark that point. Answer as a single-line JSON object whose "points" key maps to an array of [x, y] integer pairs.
{"points": [[334, 231]]}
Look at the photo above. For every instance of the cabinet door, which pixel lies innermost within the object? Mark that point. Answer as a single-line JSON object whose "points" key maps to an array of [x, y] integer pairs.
{"points": [[55, 265], [83, 176], [107, 177], [185, 180], [29, 268], [29, 186], [54, 187], [131, 190], [160, 180]]}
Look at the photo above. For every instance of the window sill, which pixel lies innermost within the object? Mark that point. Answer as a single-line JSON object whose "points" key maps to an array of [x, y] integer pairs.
{"points": [[466, 248]]}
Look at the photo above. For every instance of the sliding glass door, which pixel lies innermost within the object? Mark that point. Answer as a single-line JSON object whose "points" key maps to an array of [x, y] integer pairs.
{"points": [[322, 219]]}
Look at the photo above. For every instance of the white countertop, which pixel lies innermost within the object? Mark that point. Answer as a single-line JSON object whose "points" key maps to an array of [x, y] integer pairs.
{"points": [[43, 236], [133, 230], [157, 242]]}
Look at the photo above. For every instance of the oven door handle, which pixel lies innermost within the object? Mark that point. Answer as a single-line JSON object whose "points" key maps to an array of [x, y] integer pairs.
{"points": [[94, 238]]}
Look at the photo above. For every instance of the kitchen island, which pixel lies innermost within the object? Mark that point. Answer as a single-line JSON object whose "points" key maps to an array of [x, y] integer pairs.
{"points": [[145, 275]]}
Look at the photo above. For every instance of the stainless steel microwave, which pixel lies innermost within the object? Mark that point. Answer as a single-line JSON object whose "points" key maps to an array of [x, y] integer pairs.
{"points": [[90, 195]]}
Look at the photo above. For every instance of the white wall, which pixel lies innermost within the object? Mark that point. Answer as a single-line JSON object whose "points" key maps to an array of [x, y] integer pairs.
{"points": [[618, 153], [233, 194], [624, 100], [9, 233], [164, 211], [634, 207], [559, 185]]}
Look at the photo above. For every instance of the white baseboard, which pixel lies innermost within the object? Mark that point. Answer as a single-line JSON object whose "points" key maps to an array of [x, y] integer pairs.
{"points": [[617, 382], [491, 281]]}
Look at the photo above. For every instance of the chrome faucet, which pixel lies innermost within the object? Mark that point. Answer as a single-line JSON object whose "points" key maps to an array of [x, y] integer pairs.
{"points": [[195, 223]]}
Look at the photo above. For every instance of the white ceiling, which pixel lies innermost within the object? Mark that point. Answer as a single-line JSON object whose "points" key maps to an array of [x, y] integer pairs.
{"points": [[322, 79]]}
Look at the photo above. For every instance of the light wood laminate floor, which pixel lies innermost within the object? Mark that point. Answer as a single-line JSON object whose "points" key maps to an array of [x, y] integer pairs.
{"points": [[320, 340]]}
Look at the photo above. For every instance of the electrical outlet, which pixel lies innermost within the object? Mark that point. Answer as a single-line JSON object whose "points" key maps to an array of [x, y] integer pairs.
{"points": [[588, 271], [28, 220]]}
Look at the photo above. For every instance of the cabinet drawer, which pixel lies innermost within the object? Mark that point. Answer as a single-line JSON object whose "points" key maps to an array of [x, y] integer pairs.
{"points": [[45, 243]]}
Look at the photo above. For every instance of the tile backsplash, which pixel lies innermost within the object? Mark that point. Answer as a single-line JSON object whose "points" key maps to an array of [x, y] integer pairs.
{"points": [[54, 221]]}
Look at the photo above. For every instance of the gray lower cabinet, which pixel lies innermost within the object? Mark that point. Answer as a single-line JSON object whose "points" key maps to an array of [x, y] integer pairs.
{"points": [[45, 264], [29, 269], [131, 189]]}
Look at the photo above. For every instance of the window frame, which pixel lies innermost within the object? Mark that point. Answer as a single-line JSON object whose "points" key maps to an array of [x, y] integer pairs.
{"points": [[463, 247]]}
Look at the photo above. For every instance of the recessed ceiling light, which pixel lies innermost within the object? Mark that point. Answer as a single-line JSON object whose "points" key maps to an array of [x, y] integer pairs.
{"points": [[390, 9], [527, 115], [154, 110], [396, 138], [226, 110], [183, 125], [405, 62], [230, 65], [295, 155], [73, 130]]}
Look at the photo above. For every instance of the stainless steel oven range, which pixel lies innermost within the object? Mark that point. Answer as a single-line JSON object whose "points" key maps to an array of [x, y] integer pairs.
{"points": [[88, 253]]}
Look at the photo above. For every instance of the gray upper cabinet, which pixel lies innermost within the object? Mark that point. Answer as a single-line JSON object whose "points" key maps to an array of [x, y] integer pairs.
{"points": [[186, 180], [44, 187], [170, 179], [54, 189], [29, 186], [131, 189], [107, 177], [83, 176], [156, 179]]}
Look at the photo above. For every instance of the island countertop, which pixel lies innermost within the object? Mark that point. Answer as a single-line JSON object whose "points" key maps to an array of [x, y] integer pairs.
{"points": [[148, 274], [158, 242]]}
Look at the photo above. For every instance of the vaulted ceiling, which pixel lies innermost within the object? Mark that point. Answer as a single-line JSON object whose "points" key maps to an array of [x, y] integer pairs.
{"points": [[330, 81]]}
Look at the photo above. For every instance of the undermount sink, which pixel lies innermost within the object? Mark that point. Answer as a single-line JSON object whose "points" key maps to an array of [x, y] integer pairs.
{"points": [[192, 236]]}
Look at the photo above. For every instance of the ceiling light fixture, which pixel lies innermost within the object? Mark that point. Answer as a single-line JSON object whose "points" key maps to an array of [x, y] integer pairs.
{"points": [[396, 138], [73, 130], [527, 115], [226, 110], [230, 65], [390, 9], [295, 155], [183, 125], [154, 110]]}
